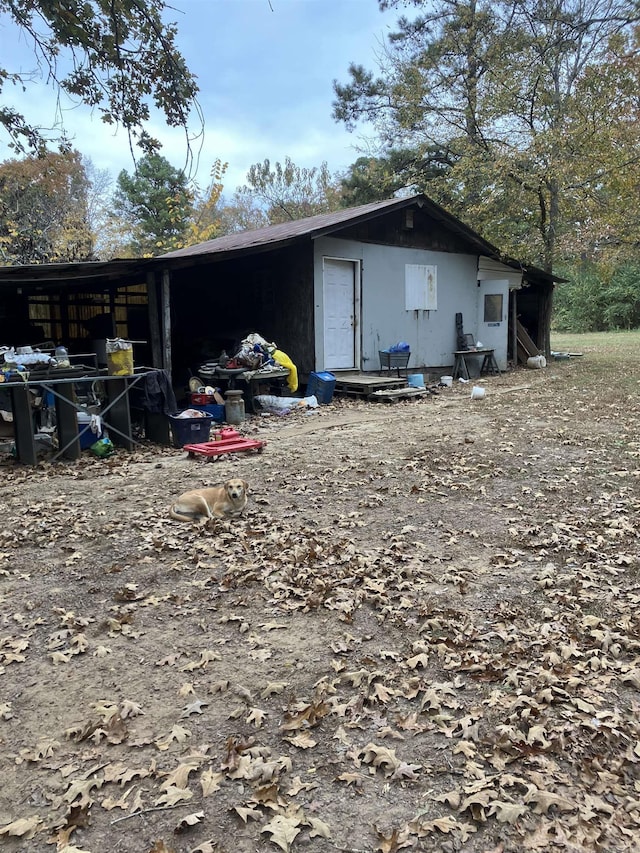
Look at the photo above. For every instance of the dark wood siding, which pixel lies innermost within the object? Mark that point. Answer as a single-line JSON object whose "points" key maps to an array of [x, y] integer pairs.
{"points": [[392, 230], [215, 305]]}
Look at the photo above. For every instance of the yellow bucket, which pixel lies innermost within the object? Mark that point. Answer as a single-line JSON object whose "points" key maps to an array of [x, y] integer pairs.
{"points": [[119, 358]]}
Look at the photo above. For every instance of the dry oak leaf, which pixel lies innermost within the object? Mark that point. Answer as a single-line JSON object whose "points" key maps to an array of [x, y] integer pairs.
{"points": [[506, 812], [298, 785], [177, 733], [451, 798], [22, 828], [406, 771], [111, 803], [44, 749], [444, 824], [173, 795], [272, 688], [247, 813], [194, 708], [545, 799], [351, 778], [381, 693], [302, 740], [393, 840], [205, 847], [130, 709], [418, 660], [632, 677], [256, 717], [318, 828], [180, 776], [210, 782], [5, 711], [476, 804], [283, 831], [380, 757], [81, 788], [188, 821]]}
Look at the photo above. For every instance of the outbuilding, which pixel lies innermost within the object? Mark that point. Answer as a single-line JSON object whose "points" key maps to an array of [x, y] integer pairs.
{"points": [[331, 290]]}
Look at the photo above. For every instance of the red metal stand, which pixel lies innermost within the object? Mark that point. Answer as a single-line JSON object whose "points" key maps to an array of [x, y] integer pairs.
{"points": [[227, 441]]}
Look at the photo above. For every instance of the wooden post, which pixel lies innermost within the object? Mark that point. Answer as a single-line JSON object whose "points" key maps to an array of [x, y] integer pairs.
{"points": [[166, 320], [514, 327], [154, 320]]}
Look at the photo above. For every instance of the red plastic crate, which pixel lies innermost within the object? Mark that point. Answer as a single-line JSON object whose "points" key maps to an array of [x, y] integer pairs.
{"points": [[202, 399]]}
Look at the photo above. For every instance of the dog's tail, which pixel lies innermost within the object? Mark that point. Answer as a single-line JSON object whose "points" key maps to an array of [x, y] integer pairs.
{"points": [[180, 514]]}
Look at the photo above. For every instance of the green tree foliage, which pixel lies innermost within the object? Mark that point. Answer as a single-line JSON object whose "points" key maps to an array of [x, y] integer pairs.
{"points": [[117, 56], [44, 210], [598, 297], [505, 94], [288, 191], [156, 206], [378, 178], [205, 223], [243, 212]]}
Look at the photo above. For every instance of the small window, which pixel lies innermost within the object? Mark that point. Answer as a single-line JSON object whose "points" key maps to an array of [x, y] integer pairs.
{"points": [[493, 308]]}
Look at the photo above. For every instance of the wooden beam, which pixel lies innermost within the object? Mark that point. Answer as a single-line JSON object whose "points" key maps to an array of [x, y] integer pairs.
{"points": [[166, 320], [514, 326], [154, 320]]}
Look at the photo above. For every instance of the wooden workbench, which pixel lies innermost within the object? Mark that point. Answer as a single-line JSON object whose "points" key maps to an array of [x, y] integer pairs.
{"points": [[489, 364]]}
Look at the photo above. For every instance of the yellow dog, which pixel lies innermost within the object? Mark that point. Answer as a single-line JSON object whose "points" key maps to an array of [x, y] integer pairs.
{"points": [[227, 500]]}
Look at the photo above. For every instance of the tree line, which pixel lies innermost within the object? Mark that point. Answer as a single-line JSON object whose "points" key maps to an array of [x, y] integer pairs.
{"points": [[521, 117]]}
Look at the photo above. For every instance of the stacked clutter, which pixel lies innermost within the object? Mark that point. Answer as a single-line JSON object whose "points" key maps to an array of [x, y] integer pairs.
{"points": [[256, 353], [206, 398]]}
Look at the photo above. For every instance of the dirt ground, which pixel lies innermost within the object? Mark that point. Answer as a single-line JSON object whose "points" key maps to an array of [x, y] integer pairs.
{"points": [[423, 633]]}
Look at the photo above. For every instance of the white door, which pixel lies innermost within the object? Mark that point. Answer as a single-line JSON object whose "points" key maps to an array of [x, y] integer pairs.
{"points": [[339, 301], [493, 312]]}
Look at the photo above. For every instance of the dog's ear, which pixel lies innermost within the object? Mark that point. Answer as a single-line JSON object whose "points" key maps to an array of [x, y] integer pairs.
{"points": [[246, 485]]}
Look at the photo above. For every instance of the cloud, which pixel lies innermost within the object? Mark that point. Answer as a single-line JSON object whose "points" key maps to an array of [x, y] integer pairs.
{"points": [[265, 70]]}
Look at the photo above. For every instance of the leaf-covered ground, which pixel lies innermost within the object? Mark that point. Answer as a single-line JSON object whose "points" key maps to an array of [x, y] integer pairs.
{"points": [[423, 634]]}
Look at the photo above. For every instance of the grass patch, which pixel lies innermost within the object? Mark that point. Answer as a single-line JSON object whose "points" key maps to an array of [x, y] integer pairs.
{"points": [[611, 360]]}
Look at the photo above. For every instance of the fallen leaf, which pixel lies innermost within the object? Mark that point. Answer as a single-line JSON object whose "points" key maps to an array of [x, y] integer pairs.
{"points": [[188, 821], [248, 813], [318, 828], [506, 812], [22, 828], [283, 831], [210, 782], [173, 795]]}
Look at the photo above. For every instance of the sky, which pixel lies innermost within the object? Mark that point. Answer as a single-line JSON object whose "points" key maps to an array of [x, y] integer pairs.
{"points": [[265, 70]]}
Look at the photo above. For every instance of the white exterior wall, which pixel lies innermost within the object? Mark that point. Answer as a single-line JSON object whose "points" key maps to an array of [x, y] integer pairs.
{"points": [[383, 318]]}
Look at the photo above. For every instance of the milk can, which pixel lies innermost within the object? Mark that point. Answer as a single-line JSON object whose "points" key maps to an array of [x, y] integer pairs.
{"points": [[234, 407]]}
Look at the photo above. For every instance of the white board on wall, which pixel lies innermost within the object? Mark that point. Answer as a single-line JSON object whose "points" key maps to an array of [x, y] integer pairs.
{"points": [[421, 287]]}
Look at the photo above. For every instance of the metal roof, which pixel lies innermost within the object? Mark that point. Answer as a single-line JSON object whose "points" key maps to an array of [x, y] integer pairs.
{"points": [[285, 232], [130, 271]]}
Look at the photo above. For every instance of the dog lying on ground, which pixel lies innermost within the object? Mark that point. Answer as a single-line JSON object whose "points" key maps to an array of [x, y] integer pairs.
{"points": [[223, 501]]}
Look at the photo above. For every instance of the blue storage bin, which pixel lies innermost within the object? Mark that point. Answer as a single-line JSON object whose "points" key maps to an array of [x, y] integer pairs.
{"points": [[216, 411], [190, 430], [322, 386], [86, 435]]}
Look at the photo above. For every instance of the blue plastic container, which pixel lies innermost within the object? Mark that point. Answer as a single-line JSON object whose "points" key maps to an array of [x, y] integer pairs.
{"points": [[86, 435], [216, 411], [322, 386], [190, 430]]}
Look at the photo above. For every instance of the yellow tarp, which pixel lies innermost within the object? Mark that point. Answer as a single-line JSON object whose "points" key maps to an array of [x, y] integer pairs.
{"points": [[283, 359]]}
